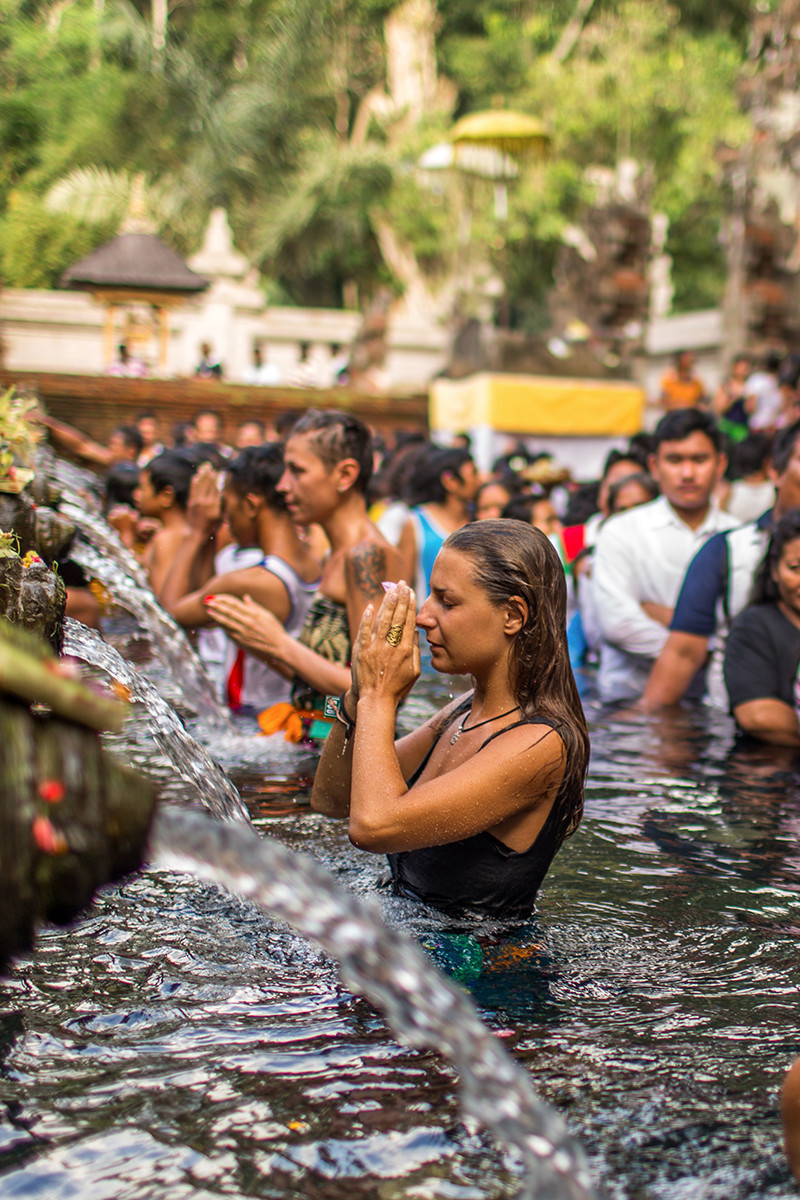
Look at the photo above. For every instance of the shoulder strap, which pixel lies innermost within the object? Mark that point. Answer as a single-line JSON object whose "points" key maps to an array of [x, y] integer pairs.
{"points": [[460, 708], [535, 720]]}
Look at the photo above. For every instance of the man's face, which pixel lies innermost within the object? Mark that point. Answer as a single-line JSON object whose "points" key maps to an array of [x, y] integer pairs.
{"points": [[146, 498], [207, 428], [309, 486], [619, 470], [465, 482], [239, 515], [249, 434], [148, 428], [119, 449], [687, 471]]}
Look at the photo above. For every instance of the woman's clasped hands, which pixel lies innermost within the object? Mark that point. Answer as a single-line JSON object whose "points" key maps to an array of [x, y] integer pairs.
{"points": [[250, 625], [386, 658]]}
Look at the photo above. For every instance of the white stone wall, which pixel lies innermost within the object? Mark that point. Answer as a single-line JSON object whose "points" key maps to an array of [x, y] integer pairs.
{"points": [[64, 332]]}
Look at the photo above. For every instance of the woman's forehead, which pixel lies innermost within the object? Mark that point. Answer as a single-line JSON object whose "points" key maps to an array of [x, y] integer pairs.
{"points": [[451, 567]]}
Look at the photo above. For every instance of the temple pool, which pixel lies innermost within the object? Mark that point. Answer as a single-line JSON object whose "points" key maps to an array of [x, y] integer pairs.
{"points": [[177, 1044]]}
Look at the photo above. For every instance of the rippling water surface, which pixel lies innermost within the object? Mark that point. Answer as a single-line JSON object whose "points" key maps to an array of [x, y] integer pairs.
{"points": [[177, 1044]]}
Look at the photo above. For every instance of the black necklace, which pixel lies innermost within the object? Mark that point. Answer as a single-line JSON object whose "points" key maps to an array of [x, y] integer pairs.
{"points": [[464, 728]]}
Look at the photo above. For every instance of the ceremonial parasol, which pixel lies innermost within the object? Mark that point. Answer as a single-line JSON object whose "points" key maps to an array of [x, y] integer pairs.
{"points": [[512, 133]]}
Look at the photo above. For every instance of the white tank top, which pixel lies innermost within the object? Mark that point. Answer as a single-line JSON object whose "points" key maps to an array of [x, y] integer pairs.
{"points": [[262, 686]]}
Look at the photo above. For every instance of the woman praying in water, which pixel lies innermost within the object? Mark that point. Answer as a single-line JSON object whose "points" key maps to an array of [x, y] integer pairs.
{"points": [[472, 806]]}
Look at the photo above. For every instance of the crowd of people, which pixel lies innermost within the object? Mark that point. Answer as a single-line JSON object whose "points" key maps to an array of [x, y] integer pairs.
{"points": [[661, 554], [325, 368], [308, 558]]}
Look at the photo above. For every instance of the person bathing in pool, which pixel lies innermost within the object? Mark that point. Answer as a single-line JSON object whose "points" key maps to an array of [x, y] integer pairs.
{"points": [[473, 805]]}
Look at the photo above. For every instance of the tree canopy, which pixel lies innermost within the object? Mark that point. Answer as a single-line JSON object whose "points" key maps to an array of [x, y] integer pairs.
{"points": [[263, 106]]}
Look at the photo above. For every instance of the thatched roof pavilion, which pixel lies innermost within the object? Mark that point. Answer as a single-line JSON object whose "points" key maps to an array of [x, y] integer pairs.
{"points": [[136, 269], [136, 262]]}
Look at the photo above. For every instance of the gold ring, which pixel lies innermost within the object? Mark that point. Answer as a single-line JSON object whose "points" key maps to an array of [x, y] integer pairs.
{"points": [[394, 635]]}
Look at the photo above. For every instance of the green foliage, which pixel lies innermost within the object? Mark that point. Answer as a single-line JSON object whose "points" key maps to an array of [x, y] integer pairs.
{"points": [[252, 104], [423, 220], [36, 246]]}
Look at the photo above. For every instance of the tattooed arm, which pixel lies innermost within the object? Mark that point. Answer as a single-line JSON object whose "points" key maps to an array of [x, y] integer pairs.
{"points": [[367, 565]]}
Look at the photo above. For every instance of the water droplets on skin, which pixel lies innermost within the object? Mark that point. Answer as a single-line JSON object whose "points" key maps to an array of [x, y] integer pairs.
{"points": [[153, 739], [386, 966]]}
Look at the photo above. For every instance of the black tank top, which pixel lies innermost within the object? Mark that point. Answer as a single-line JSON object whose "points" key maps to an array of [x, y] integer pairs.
{"points": [[479, 874]]}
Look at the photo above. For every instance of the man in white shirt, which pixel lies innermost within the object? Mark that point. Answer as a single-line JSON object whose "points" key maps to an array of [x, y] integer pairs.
{"points": [[642, 555]]}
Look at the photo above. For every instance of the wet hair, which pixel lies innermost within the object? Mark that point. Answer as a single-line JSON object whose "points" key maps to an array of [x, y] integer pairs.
{"points": [[424, 485], [765, 589], [131, 438], [173, 469], [783, 447], [681, 423], [512, 558], [256, 470], [120, 483], [645, 481], [336, 436]]}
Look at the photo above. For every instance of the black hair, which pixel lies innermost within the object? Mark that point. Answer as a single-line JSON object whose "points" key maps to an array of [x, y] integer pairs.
{"points": [[750, 456], [640, 447], [147, 414], [336, 436], [582, 503], [424, 485], [616, 456], [180, 431], [765, 589], [202, 452], [644, 480], [120, 483], [681, 423], [173, 469], [256, 470], [789, 372], [130, 437], [512, 558], [783, 447], [520, 508], [285, 422]]}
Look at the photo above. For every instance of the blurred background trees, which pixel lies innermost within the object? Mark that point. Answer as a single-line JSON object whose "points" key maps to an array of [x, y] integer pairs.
{"points": [[285, 113]]}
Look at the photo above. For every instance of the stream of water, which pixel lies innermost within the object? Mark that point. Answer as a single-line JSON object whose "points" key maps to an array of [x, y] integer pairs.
{"points": [[179, 1043]]}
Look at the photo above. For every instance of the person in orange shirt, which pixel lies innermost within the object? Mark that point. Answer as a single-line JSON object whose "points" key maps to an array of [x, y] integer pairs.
{"points": [[680, 387]]}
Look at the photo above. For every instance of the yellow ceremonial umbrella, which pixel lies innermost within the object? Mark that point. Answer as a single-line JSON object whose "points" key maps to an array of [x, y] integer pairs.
{"points": [[512, 133]]}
